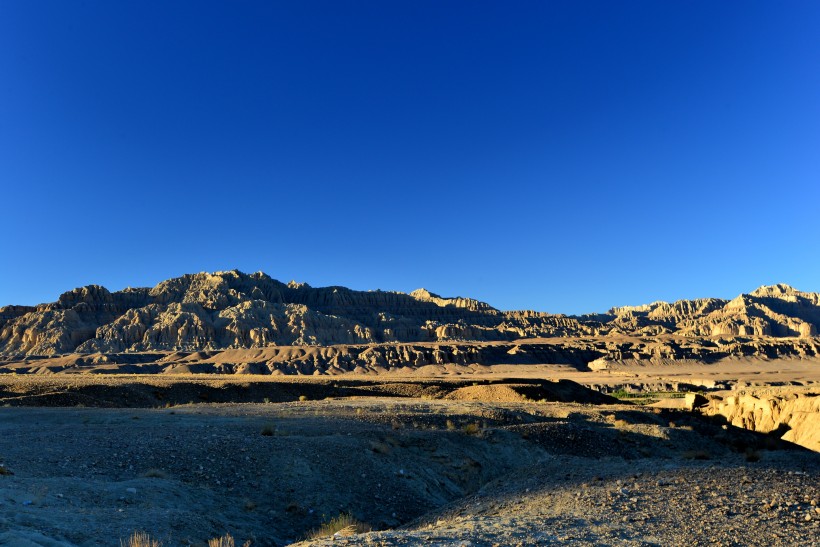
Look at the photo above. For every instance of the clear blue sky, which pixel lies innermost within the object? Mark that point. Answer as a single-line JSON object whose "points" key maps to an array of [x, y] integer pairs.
{"points": [[560, 156]]}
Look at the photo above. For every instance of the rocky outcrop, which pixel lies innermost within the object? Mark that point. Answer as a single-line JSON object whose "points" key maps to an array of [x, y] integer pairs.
{"points": [[423, 295], [777, 310], [312, 360], [793, 416], [209, 311], [582, 354]]}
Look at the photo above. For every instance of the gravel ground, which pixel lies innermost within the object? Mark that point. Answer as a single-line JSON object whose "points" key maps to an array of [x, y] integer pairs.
{"points": [[432, 472], [609, 502]]}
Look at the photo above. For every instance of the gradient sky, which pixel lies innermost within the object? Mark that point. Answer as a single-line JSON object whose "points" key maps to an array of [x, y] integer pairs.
{"points": [[559, 156]]}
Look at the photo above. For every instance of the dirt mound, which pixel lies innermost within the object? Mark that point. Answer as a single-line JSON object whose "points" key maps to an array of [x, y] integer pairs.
{"points": [[491, 393], [154, 391], [564, 391]]}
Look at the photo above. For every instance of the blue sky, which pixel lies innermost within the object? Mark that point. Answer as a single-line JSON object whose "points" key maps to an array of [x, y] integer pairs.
{"points": [[559, 156]]}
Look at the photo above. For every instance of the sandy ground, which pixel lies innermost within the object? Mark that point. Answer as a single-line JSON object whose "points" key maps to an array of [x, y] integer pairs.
{"points": [[726, 372], [420, 471], [734, 370]]}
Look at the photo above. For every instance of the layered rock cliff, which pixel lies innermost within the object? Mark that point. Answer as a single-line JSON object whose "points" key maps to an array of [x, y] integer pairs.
{"points": [[793, 415], [237, 310]]}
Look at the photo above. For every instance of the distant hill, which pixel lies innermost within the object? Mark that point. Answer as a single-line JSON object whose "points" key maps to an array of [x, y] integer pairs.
{"points": [[236, 310]]}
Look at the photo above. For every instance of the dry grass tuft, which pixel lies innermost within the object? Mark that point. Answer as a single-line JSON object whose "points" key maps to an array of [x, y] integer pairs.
{"points": [[140, 539], [343, 525], [225, 541], [472, 429]]}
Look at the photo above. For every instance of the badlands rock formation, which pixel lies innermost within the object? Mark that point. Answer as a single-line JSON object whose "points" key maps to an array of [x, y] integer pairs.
{"points": [[792, 413], [208, 312]]}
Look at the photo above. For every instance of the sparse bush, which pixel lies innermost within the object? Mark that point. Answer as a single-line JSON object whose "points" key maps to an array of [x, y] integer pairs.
{"points": [[268, 430], [450, 425], [380, 448], [5, 470], [620, 424], [303, 397], [472, 429], [154, 474], [343, 525], [697, 455], [140, 539], [225, 541]]}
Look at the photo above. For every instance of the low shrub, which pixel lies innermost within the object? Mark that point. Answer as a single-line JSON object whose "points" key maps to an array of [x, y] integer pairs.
{"points": [[140, 539], [343, 525], [154, 474]]}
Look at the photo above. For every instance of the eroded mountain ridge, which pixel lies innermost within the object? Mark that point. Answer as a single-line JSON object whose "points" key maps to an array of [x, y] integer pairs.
{"points": [[232, 309]]}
